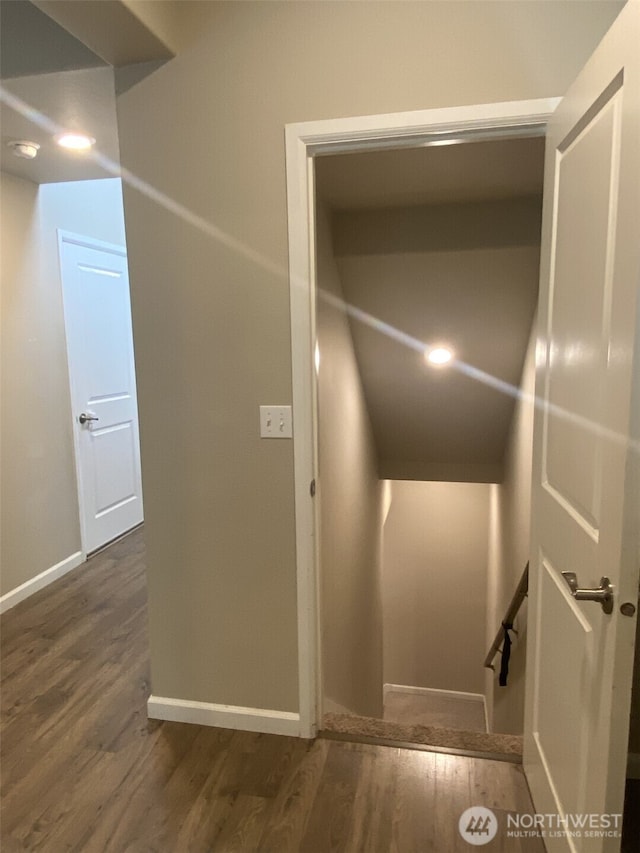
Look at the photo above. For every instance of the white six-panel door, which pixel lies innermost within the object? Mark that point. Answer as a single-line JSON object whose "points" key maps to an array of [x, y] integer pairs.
{"points": [[586, 515], [97, 310]]}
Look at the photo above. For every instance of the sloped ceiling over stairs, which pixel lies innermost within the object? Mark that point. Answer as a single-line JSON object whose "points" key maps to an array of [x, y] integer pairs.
{"points": [[439, 246]]}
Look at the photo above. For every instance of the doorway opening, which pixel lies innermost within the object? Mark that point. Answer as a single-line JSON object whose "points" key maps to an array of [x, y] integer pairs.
{"points": [[380, 135], [420, 249]]}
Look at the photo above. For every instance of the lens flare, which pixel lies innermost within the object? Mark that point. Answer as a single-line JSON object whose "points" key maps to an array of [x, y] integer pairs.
{"points": [[439, 356]]}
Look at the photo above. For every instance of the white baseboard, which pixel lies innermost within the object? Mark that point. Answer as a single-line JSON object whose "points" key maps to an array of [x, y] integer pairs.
{"points": [[409, 688], [331, 707], [434, 691], [633, 765], [224, 716], [15, 596]]}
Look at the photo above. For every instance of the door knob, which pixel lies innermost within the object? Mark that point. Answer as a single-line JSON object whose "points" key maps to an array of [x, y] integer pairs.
{"points": [[602, 594], [84, 418]]}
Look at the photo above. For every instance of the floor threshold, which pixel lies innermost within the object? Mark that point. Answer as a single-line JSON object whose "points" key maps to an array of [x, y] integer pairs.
{"points": [[511, 758]]}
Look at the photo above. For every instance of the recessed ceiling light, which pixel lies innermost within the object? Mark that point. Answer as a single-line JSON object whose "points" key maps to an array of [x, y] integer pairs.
{"points": [[75, 141], [438, 356]]}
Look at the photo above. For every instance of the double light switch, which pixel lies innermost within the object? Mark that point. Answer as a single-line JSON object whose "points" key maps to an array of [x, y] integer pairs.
{"points": [[275, 422]]}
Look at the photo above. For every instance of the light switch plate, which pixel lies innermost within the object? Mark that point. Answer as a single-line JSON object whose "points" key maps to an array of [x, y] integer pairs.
{"points": [[275, 422]]}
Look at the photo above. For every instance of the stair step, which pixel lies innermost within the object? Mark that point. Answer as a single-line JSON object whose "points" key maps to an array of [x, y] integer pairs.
{"points": [[371, 730]]}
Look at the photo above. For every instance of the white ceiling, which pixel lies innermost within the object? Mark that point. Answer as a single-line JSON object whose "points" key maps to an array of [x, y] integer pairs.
{"points": [[441, 244], [81, 100], [65, 84], [472, 171]]}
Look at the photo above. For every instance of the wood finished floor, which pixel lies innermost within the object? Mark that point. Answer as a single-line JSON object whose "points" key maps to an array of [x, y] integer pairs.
{"points": [[83, 769]]}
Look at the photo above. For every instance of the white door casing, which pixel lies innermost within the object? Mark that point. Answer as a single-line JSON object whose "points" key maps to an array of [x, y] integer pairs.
{"points": [[585, 512], [97, 314], [304, 141]]}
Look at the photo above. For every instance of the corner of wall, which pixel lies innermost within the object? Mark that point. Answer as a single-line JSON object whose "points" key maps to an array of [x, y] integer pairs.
{"points": [[509, 552], [352, 506]]}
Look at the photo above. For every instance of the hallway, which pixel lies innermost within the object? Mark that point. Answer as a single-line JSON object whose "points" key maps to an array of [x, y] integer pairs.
{"points": [[84, 770]]}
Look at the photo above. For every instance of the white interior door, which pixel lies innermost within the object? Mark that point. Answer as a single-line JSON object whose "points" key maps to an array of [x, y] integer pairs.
{"points": [[586, 516], [97, 308]]}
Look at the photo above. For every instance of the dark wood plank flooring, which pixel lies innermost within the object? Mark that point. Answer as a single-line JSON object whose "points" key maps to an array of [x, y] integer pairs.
{"points": [[84, 770]]}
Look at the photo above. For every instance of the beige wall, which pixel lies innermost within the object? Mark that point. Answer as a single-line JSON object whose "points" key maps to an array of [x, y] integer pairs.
{"points": [[434, 579], [350, 505], [211, 292], [162, 17], [40, 523], [508, 554]]}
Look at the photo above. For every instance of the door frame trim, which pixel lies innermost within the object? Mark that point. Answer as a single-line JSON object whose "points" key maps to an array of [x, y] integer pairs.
{"points": [[114, 249], [304, 141]]}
